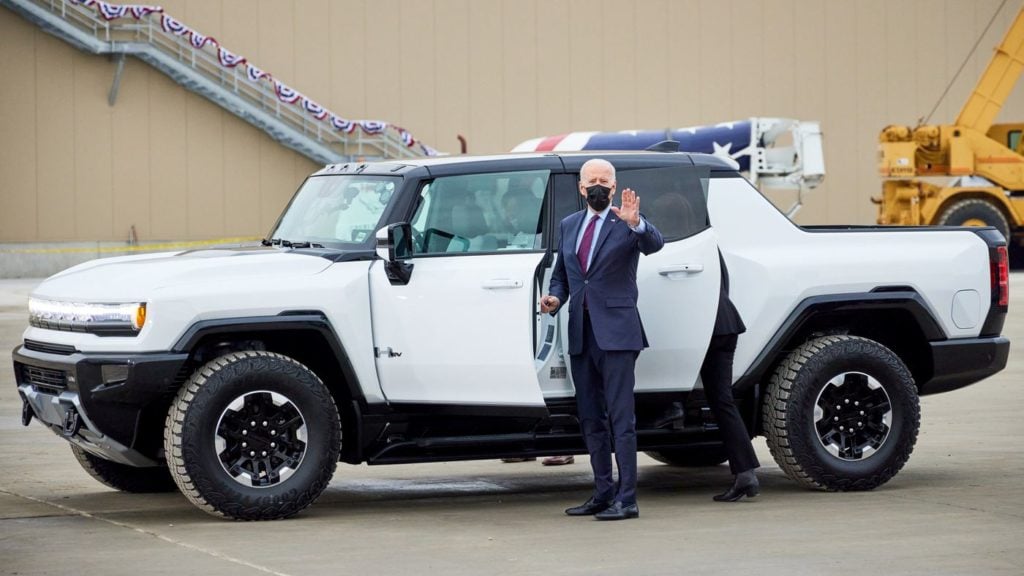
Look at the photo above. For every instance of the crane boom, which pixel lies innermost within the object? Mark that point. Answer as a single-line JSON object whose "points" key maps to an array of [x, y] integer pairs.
{"points": [[974, 167], [998, 80]]}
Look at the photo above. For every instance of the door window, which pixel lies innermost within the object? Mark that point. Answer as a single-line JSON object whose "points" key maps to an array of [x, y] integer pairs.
{"points": [[481, 213], [567, 201], [675, 201]]}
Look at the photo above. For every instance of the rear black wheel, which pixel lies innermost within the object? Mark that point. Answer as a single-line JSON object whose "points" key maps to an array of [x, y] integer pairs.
{"points": [[841, 413], [694, 457]]}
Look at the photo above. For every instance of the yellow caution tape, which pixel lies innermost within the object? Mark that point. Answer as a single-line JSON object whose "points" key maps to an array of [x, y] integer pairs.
{"points": [[135, 248]]}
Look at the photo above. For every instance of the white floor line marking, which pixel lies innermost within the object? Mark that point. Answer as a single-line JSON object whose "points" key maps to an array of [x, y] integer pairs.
{"points": [[167, 539]]}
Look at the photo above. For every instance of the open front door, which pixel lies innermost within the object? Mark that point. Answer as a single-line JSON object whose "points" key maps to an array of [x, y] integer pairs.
{"points": [[679, 284], [460, 331]]}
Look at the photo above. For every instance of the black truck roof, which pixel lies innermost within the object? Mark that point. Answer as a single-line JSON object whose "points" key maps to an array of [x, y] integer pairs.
{"points": [[562, 162]]}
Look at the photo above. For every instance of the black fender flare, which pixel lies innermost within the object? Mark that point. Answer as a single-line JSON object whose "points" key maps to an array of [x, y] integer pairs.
{"points": [[883, 298], [305, 320]]}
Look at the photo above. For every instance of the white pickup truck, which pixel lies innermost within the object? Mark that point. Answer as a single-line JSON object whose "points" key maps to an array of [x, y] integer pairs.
{"points": [[392, 317]]}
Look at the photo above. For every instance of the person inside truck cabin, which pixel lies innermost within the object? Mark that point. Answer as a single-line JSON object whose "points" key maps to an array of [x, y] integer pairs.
{"points": [[521, 212]]}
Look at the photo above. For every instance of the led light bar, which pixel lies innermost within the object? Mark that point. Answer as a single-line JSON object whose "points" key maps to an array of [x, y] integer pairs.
{"points": [[103, 319]]}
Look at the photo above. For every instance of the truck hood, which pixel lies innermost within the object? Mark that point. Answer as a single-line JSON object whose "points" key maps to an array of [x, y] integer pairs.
{"points": [[136, 278]]}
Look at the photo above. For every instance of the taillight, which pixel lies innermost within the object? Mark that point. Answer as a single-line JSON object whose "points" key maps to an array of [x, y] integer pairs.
{"points": [[1001, 277]]}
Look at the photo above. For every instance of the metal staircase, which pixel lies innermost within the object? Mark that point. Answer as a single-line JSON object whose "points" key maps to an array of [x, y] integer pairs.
{"points": [[301, 125]]}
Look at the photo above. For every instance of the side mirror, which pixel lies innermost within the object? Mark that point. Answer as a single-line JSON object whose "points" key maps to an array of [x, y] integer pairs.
{"points": [[394, 243], [394, 246]]}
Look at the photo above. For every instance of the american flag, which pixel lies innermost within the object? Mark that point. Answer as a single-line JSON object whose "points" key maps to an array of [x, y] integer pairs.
{"points": [[728, 140]]}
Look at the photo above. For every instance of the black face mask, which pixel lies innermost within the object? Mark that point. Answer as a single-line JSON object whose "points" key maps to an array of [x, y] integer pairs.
{"points": [[598, 197]]}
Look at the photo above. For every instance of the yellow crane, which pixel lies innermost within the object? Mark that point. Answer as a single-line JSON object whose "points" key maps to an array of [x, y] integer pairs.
{"points": [[986, 159]]}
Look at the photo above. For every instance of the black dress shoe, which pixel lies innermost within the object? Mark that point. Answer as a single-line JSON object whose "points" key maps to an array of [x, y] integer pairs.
{"points": [[748, 487], [619, 511], [588, 508]]}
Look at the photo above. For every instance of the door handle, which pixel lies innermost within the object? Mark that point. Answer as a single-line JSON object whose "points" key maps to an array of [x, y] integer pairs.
{"points": [[681, 269], [502, 284]]}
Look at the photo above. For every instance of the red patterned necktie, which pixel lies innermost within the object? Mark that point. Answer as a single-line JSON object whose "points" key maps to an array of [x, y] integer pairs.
{"points": [[588, 238]]}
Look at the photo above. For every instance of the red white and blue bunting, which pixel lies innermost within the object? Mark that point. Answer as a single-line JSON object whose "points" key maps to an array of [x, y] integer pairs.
{"points": [[198, 40], [406, 137], [346, 126], [254, 73], [229, 59], [172, 26], [285, 93], [315, 110], [372, 126], [139, 11]]}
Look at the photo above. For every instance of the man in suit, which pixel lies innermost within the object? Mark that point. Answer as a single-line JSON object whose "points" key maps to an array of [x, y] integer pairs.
{"points": [[596, 273], [716, 375]]}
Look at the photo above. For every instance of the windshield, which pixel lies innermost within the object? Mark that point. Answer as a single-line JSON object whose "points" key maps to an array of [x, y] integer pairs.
{"points": [[336, 211]]}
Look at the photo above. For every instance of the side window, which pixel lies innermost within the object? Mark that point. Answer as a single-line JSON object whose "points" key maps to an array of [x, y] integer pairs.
{"points": [[1013, 139], [480, 213], [567, 201], [673, 199]]}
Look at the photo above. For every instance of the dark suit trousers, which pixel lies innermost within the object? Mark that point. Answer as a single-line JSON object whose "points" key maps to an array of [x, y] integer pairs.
{"points": [[604, 398], [716, 375]]}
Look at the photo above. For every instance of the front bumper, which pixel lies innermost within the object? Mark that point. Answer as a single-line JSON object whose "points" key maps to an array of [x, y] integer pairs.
{"points": [[958, 363], [112, 405]]}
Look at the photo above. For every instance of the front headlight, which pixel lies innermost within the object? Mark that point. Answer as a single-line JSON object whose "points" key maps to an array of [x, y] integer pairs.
{"points": [[105, 319]]}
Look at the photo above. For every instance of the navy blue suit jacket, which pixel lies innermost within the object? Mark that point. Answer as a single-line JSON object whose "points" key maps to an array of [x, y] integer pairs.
{"points": [[609, 284]]}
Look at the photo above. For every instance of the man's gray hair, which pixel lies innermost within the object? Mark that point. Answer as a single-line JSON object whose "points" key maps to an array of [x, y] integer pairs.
{"points": [[597, 162]]}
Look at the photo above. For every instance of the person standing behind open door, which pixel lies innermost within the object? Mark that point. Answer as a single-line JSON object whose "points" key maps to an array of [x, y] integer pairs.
{"points": [[716, 375]]}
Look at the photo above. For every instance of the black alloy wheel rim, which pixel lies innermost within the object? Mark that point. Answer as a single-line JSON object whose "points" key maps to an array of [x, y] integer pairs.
{"points": [[261, 439], [853, 416]]}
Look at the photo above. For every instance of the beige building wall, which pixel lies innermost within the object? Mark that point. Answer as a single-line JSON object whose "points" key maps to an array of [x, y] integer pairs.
{"points": [[175, 166]]}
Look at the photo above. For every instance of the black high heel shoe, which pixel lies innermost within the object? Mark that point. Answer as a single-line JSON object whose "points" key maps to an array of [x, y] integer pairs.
{"points": [[745, 485]]}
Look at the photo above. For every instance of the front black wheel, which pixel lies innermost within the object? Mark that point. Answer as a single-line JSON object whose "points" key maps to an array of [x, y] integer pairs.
{"points": [[253, 436], [841, 413], [123, 477]]}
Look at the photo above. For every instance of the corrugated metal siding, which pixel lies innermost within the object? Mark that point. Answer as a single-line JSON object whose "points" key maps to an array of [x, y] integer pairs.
{"points": [[177, 167]]}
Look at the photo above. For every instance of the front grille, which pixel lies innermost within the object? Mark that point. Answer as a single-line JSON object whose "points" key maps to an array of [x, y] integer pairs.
{"points": [[44, 377], [62, 349]]}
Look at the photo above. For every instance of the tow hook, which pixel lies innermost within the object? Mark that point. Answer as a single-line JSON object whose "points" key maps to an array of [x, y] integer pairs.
{"points": [[26, 412], [71, 424]]}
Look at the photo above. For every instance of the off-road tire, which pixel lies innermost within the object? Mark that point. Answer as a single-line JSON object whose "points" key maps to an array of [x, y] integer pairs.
{"points": [[192, 427], [690, 457], [123, 477], [964, 211], [789, 413]]}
